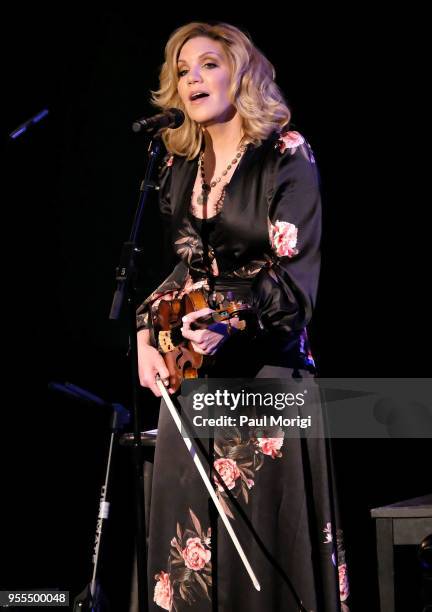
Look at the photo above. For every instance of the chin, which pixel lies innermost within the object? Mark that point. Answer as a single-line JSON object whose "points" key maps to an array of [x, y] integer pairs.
{"points": [[201, 117]]}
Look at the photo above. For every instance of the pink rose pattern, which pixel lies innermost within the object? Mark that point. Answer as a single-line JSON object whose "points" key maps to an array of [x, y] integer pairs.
{"points": [[271, 446], [343, 582], [290, 140], [238, 461], [228, 470], [189, 576], [338, 560], [283, 238], [195, 554], [163, 593], [282, 234]]}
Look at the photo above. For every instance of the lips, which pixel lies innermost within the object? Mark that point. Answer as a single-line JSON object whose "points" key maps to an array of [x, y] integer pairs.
{"points": [[198, 95]]}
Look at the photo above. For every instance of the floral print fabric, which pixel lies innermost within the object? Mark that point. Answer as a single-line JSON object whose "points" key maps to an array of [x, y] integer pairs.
{"points": [[189, 568]]}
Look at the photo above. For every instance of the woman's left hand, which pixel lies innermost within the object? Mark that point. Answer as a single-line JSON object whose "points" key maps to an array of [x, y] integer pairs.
{"points": [[204, 341]]}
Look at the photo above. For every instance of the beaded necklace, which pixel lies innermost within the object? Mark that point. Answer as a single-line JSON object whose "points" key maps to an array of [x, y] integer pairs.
{"points": [[205, 186]]}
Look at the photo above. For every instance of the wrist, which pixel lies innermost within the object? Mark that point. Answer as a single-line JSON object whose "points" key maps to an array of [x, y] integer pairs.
{"points": [[143, 337]]}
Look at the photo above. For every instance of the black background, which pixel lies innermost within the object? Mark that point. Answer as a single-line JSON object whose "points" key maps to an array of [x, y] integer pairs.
{"points": [[354, 82]]}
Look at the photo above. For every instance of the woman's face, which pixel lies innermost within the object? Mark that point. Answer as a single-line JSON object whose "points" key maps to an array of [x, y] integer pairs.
{"points": [[203, 68]]}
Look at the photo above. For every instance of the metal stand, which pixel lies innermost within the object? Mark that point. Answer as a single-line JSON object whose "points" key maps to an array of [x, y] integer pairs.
{"points": [[92, 598], [125, 277]]}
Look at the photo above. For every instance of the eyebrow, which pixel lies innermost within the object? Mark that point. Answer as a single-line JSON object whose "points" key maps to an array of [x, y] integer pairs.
{"points": [[201, 56]]}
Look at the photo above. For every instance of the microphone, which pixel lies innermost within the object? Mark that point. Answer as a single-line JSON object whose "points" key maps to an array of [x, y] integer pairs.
{"points": [[27, 124], [171, 118]]}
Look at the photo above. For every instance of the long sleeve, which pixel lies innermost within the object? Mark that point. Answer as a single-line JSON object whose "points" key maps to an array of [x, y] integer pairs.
{"points": [[285, 293]]}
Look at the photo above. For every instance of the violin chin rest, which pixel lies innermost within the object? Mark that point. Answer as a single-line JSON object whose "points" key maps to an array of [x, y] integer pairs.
{"points": [[165, 342]]}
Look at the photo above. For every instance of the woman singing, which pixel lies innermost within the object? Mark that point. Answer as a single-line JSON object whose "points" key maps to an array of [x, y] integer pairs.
{"points": [[239, 196]]}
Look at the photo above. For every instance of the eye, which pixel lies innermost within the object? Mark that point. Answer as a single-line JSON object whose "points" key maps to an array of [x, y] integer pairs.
{"points": [[182, 72], [210, 65]]}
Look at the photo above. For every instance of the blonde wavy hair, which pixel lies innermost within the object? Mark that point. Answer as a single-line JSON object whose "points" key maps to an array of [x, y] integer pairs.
{"points": [[254, 93]]}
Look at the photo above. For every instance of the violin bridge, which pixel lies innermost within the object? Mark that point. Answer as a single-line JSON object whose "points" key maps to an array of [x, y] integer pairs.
{"points": [[165, 341]]}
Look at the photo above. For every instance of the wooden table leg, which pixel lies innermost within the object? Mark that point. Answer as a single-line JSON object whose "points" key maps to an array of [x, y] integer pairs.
{"points": [[384, 533]]}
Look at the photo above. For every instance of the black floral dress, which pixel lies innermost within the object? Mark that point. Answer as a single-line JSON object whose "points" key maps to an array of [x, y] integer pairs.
{"points": [[278, 492]]}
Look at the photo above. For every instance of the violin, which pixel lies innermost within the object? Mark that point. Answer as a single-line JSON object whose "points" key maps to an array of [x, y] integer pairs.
{"points": [[182, 361]]}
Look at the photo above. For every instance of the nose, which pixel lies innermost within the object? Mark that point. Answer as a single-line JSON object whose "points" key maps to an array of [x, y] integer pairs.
{"points": [[194, 75]]}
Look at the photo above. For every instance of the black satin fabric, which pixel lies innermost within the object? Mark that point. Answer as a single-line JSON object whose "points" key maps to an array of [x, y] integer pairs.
{"points": [[267, 186], [290, 506]]}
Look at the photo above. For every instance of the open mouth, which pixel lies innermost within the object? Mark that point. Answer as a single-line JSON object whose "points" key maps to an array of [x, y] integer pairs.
{"points": [[199, 95]]}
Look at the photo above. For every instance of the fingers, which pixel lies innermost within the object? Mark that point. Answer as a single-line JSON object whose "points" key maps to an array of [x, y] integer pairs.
{"points": [[165, 377], [157, 369], [200, 349], [204, 341], [163, 371], [197, 314], [155, 388], [149, 381], [208, 345], [196, 335]]}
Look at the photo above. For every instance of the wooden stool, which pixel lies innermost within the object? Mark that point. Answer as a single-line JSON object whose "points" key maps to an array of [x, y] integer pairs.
{"points": [[406, 522]]}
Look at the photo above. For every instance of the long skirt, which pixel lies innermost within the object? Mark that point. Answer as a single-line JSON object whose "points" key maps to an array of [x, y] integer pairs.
{"points": [[280, 499]]}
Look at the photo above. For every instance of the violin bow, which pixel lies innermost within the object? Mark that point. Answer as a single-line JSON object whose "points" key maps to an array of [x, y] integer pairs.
{"points": [[206, 480]]}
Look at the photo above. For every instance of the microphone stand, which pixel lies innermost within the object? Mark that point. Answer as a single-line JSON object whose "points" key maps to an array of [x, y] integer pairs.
{"points": [[125, 277], [93, 598]]}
